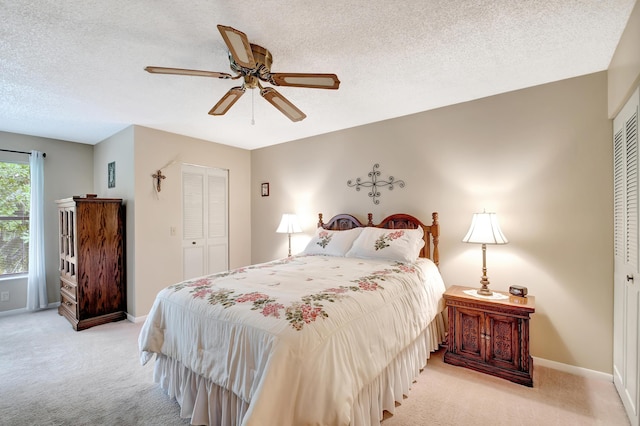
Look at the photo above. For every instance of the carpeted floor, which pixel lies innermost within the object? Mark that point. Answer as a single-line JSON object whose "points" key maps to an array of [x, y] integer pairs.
{"points": [[52, 375]]}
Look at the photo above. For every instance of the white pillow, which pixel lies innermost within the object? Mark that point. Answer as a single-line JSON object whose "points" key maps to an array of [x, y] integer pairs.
{"points": [[332, 243], [403, 245]]}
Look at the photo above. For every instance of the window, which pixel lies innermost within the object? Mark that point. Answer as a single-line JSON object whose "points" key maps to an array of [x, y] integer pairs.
{"points": [[14, 217]]}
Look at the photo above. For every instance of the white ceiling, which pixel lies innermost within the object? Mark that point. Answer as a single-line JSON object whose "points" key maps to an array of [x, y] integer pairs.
{"points": [[73, 69]]}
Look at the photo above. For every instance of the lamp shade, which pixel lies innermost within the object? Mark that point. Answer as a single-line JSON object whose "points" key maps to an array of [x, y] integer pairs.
{"points": [[289, 224], [485, 229]]}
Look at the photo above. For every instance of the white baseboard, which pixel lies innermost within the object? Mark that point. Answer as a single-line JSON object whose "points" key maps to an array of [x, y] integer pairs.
{"points": [[24, 310], [13, 312], [54, 305], [133, 319], [572, 369]]}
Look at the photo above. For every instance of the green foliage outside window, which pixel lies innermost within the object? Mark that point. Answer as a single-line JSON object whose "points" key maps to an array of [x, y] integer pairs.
{"points": [[14, 217]]}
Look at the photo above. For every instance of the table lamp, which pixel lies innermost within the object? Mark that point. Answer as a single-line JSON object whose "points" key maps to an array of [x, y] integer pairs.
{"points": [[485, 230], [289, 225]]}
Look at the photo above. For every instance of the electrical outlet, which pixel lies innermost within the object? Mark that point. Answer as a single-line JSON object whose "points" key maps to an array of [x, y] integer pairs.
{"points": [[4, 296]]}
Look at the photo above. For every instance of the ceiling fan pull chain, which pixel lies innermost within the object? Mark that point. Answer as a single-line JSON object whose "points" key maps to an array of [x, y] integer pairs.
{"points": [[253, 121]]}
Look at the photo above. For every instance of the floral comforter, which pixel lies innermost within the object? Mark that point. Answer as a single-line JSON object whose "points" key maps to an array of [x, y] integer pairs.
{"points": [[298, 338]]}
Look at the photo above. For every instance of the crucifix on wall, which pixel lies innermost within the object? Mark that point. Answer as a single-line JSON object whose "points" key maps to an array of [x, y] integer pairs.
{"points": [[158, 176]]}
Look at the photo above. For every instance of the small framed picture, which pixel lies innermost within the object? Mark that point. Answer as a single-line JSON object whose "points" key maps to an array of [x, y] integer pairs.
{"points": [[111, 175], [264, 189]]}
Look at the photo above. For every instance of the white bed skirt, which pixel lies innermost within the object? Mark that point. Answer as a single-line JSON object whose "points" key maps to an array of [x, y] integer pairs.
{"points": [[208, 404]]}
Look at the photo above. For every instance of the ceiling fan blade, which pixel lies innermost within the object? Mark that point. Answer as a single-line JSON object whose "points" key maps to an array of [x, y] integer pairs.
{"points": [[227, 101], [181, 71], [238, 45], [316, 81], [280, 102]]}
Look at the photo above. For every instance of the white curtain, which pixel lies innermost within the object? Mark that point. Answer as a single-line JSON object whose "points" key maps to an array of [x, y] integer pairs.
{"points": [[37, 283]]}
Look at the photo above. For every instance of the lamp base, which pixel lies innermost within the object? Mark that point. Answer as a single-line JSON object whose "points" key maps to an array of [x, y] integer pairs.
{"points": [[484, 290]]}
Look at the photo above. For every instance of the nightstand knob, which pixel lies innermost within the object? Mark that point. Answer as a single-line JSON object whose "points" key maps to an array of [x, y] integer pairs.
{"points": [[629, 277]]}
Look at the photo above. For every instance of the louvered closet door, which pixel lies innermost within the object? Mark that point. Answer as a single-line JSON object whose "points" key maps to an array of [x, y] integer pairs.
{"points": [[626, 358], [205, 239]]}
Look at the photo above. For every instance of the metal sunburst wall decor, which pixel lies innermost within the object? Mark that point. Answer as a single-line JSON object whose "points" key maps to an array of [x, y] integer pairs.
{"points": [[374, 183]]}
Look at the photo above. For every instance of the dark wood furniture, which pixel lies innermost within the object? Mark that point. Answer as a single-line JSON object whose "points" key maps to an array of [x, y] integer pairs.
{"points": [[491, 336], [92, 279], [343, 222]]}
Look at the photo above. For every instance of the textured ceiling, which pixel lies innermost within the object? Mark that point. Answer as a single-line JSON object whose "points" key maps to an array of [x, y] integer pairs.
{"points": [[73, 69]]}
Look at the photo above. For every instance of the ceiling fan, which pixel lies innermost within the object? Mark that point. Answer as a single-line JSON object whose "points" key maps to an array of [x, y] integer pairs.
{"points": [[253, 63]]}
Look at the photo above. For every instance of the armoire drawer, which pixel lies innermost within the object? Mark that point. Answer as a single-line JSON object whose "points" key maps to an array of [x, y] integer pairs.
{"points": [[68, 305], [69, 290]]}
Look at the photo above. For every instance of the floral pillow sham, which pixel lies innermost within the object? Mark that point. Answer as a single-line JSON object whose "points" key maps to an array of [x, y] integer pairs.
{"points": [[403, 245], [332, 243]]}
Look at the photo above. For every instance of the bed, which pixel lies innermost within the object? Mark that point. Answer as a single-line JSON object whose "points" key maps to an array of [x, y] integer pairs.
{"points": [[334, 335]]}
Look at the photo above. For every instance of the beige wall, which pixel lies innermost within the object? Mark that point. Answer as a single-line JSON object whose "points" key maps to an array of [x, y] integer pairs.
{"points": [[540, 157], [68, 171], [119, 149], [158, 253], [153, 255], [624, 69]]}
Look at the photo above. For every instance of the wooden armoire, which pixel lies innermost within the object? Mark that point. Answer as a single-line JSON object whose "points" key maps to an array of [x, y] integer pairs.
{"points": [[92, 275]]}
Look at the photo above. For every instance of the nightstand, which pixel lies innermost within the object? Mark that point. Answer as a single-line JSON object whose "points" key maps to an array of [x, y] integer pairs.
{"points": [[490, 335]]}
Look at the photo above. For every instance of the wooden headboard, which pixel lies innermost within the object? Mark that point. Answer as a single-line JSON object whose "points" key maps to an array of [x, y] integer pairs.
{"points": [[343, 222], [340, 222]]}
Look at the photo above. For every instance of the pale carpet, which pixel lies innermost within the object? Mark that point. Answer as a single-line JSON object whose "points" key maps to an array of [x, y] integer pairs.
{"points": [[52, 375]]}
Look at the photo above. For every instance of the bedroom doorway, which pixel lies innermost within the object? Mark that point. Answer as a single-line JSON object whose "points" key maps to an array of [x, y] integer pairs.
{"points": [[205, 220]]}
